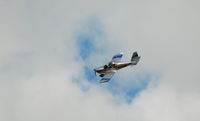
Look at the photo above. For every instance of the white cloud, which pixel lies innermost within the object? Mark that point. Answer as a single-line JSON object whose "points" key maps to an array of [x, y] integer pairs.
{"points": [[38, 59]]}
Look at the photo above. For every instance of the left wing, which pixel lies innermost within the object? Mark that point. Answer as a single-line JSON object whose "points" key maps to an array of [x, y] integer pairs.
{"points": [[117, 58], [108, 75]]}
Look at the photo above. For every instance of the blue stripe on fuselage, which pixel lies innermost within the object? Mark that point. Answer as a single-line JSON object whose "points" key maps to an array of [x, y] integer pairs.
{"points": [[117, 56]]}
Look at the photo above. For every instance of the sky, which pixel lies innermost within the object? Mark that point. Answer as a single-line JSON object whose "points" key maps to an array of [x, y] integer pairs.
{"points": [[48, 50]]}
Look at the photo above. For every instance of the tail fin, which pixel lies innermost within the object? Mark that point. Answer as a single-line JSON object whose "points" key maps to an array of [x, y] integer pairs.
{"points": [[135, 58]]}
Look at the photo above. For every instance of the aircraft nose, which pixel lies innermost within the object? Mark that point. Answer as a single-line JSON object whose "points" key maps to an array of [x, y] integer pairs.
{"points": [[96, 69]]}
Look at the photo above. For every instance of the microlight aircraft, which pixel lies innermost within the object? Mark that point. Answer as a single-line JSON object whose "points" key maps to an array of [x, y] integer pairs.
{"points": [[106, 72]]}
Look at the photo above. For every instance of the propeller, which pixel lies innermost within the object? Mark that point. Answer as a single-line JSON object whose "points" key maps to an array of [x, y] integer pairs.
{"points": [[95, 73]]}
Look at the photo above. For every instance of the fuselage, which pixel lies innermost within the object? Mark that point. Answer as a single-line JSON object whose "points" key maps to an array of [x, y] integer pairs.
{"points": [[115, 66], [107, 71]]}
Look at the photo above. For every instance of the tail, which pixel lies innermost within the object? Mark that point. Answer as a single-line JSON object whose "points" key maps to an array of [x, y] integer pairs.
{"points": [[135, 58]]}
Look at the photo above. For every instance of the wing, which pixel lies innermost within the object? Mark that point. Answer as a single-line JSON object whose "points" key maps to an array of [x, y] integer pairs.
{"points": [[108, 75], [117, 58]]}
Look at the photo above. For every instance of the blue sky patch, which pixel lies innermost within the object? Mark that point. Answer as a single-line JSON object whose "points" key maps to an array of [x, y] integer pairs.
{"points": [[87, 47], [130, 90], [86, 39], [90, 74]]}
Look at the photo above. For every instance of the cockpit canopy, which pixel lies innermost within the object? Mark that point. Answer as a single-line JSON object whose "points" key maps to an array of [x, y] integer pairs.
{"points": [[111, 64]]}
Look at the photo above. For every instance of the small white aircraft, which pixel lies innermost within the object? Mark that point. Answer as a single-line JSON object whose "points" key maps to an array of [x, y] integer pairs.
{"points": [[107, 71]]}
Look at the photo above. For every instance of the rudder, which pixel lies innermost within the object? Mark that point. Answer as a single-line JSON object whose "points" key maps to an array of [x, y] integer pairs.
{"points": [[135, 58]]}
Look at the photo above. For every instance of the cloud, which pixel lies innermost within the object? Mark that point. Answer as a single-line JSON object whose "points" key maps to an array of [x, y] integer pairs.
{"points": [[40, 59]]}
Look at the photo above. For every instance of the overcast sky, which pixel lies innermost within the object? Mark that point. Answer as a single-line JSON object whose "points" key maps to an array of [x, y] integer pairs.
{"points": [[48, 50]]}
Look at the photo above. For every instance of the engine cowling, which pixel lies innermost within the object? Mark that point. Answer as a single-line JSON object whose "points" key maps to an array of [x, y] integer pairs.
{"points": [[105, 67]]}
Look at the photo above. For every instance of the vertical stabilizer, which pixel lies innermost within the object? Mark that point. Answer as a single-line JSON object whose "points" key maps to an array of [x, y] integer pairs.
{"points": [[135, 58]]}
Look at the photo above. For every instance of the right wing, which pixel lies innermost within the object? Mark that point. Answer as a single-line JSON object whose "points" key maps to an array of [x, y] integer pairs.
{"points": [[108, 75], [117, 58]]}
